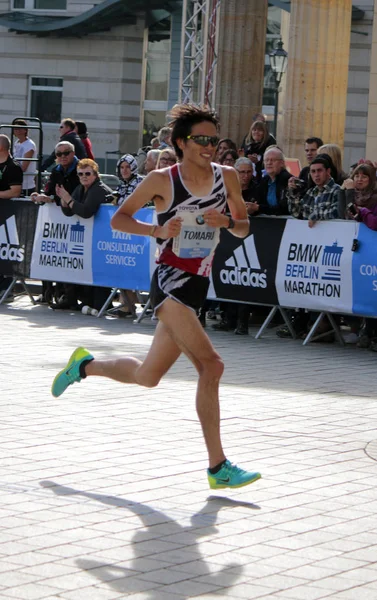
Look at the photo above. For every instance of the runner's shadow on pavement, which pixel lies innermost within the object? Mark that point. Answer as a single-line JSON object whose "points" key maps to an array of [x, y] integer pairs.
{"points": [[203, 523]]}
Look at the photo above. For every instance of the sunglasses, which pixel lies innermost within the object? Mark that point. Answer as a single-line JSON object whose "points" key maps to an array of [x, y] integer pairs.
{"points": [[204, 140], [84, 173], [61, 126], [65, 153]]}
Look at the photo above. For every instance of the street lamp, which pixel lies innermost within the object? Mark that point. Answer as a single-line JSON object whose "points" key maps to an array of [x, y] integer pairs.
{"points": [[278, 62]]}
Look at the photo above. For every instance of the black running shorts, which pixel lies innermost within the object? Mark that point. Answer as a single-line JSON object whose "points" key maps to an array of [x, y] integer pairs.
{"points": [[187, 288]]}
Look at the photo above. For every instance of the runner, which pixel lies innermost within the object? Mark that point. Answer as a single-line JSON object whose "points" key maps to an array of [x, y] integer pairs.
{"points": [[179, 285]]}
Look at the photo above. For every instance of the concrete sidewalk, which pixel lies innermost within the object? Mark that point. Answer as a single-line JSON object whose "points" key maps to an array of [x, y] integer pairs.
{"points": [[104, 492]]}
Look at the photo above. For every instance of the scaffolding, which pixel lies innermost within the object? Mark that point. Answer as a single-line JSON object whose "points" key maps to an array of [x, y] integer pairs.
{"points": [[199, 51]]}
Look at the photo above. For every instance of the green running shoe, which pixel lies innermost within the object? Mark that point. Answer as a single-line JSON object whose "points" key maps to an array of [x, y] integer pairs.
{"points": [[231, 476], [71, 373]]}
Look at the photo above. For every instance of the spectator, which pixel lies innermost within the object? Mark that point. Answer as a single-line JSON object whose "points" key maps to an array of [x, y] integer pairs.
{"points": [[88, 196], [360, 191], [63, 174], [151, 160], [271, 192], [335, 153], [311, 150], [320, 202], [255, 144], [10, 186], [317, 203], [85, 201], [223, 145], [67, 134], [229, 158], [164, 137], [245, 170], [25, 148], [129, 177], [82, 132], [167, 158], [10, 172], [358, 201], [155, 143]]}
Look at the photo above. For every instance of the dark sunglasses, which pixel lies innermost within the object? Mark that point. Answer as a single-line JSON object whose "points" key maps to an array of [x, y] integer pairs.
{"points": [[86, 173], [204, 140], [65, 153]]}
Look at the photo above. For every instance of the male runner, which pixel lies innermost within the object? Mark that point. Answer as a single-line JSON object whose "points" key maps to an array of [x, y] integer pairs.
{"points": [[179, 285]]}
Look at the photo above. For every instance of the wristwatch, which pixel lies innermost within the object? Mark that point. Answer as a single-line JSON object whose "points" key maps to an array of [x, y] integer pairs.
{"points": [[231, 223]]}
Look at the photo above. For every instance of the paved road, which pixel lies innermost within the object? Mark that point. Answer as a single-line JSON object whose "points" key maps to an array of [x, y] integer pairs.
{"points": [[104, 492]]}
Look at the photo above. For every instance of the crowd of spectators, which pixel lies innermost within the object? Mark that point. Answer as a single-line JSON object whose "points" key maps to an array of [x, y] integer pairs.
{"points": [[322, 191]]}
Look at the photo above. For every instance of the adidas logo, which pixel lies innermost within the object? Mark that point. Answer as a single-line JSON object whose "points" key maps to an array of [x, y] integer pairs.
{"points": [[10, 248], [242, 267]]}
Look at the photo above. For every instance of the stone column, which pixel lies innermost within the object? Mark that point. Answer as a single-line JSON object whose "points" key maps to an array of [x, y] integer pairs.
{"points": [[240, 68], [371, 145], [317, 74]]}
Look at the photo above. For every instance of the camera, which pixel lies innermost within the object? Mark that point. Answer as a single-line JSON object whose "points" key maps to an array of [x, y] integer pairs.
{"points": [[300, 183], [352, 209]]}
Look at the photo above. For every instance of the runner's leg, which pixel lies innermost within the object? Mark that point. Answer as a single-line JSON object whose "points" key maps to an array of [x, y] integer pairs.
{"points": [[162, 354], [186, 331]]}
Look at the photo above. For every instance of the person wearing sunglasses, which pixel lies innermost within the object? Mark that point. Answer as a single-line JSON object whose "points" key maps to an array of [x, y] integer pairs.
{"points": [[167, 158], [179, 284], [67, 134], [63, 174], [88, 196], [84, 201]]}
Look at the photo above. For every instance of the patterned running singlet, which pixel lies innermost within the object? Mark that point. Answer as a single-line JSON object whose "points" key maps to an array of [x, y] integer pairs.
{"points": [[182, 198]]}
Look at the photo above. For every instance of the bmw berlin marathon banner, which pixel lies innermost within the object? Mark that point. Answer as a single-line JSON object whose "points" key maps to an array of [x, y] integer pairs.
{"points": [[330, 267], [315, 265], [17, 226], [62, 247], [89, 251]]}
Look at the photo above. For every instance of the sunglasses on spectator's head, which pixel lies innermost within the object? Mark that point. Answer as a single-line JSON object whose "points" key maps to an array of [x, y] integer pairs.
{"points": [[65, 153], [84, 173], [204, 140]]}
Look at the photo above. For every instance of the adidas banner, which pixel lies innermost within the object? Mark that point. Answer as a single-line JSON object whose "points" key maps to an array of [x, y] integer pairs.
{"points": [[244, 270], [17, 226]]}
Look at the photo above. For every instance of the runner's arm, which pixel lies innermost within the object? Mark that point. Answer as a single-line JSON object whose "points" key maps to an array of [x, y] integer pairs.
{"points": [[153, 187], [236, 204]]}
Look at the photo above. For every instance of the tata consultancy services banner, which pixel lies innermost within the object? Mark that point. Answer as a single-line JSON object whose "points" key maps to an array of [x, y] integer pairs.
{"points": [[62, 247], [120, 259], [315, 265]]}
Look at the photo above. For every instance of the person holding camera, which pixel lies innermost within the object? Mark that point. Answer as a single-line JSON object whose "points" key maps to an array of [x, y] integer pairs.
{"points": [[358, 201], [320, 202], [358, 197]]}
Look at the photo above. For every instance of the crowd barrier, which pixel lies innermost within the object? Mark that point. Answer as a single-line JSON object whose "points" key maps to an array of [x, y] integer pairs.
{"points": [[330, 268]]}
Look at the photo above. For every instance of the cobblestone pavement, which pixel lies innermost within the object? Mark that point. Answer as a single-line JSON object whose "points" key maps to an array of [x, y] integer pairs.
{"points": [[104, 492]]}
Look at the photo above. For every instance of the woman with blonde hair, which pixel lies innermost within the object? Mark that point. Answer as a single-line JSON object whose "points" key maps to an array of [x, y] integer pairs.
{"points": [[335, 153], [167, 158], [255, 145]]}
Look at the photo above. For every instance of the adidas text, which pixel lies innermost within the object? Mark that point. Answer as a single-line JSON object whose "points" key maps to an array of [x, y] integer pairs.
{"points": [[243, 276], [8, 252]]}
